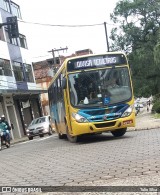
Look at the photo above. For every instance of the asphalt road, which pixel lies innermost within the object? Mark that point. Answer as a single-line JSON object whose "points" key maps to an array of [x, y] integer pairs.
{"points": [[50, 161]]}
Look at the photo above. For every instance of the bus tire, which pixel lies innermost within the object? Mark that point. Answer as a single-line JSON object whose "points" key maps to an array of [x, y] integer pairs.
{"points": [[72, 139], [119, 132]]}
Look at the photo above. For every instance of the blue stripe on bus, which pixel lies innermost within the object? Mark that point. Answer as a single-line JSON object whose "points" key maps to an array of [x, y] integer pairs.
{"points": [[98, 114]]}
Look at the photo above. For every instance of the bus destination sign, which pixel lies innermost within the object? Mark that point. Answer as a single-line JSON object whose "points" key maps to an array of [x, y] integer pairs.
{"points": [[95, 62]]}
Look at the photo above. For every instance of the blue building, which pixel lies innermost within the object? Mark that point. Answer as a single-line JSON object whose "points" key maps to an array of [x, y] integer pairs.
{"points": [[19, 96]]}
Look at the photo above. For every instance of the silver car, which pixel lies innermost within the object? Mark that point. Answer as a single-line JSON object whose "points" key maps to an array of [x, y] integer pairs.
{"points": [[39, 127]]}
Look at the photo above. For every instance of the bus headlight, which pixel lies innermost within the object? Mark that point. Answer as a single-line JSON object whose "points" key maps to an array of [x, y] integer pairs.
{"points": [[128, 111], [79, 118]]}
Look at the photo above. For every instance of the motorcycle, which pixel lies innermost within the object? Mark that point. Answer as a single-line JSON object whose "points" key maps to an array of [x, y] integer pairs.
{"points": [[4, 141]]}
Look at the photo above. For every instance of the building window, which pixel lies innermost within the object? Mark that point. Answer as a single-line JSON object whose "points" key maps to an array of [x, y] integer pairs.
{"points": [[15, 10], [7, 36], [4, 4], [18, 71], [22, 41], [29, 73], [2, 35], [13, 41], [5, 67]]}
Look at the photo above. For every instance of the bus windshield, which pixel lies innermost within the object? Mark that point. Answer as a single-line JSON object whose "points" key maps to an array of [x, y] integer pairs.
{"points": [[100, 87]]}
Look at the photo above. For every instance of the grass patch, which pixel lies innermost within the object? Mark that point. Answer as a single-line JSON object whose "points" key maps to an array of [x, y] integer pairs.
{"points": [[157, 115]]}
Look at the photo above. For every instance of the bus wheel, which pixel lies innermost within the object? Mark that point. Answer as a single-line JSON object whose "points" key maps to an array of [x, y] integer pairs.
{"points": [[72, 139], [119, 132]]}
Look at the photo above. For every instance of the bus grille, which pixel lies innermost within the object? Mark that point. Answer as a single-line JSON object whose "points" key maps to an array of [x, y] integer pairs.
{"points": [[101, 125]]}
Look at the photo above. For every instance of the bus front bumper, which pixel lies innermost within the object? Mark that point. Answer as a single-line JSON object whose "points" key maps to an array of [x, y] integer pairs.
{"points": [[95, 127]]}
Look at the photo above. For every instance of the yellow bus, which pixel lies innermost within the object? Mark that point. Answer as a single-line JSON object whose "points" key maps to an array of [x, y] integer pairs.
{"points": [[92, 94]]}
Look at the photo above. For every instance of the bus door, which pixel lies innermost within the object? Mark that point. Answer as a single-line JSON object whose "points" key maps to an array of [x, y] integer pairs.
{"points": [[67, 104]]}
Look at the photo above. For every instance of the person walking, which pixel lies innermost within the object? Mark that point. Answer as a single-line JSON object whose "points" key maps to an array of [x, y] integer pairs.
{"points": [[149, 103]]}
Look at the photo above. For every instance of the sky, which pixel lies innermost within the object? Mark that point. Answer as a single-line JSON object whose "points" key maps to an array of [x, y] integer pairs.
{"points": [[41, 39]]}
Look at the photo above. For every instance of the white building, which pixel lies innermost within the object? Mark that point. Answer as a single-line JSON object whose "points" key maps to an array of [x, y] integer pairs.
{"points": [[19, 97]]}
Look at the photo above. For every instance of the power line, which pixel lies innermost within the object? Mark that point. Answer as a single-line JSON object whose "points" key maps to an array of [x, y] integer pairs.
{"points": [[64, 25], [61, 25], [40, 56]]}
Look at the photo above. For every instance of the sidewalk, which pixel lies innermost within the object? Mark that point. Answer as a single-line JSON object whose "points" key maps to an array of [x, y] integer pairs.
{"points": [[22, 139], [145, 120]]}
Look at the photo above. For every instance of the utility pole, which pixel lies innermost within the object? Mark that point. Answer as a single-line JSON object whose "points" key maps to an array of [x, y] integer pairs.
{"points": [[105, 27], [54, 57], [56, 50]]}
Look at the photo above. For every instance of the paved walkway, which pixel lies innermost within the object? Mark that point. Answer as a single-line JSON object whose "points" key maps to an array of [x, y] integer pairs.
{"points": [[145, 120]]}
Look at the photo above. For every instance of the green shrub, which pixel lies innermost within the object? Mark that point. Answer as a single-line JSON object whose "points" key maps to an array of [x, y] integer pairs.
{"points": [[156, 98], [156, 107]]}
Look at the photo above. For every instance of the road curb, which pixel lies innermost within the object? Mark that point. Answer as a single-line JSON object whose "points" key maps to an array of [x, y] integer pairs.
{"points": [[18, 141], [145, 128], [23, 139]]}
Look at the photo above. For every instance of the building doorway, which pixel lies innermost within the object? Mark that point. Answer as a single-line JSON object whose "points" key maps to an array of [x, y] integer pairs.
{"points": [[27, 115], [13, 121]]}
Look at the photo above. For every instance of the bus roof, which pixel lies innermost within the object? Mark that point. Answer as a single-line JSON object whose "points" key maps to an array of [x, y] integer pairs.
{"points": [[79, 57], [99, 54]]}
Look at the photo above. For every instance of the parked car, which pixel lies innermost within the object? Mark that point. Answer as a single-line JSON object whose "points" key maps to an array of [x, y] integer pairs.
{"points": [[39, 127]]}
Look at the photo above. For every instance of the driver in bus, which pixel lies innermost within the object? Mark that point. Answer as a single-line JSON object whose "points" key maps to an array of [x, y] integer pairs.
{"points": [[114, 81]]}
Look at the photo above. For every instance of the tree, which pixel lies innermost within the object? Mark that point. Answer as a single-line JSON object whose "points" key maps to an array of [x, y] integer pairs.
{"points": [[157, 52], [137, 35]]}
